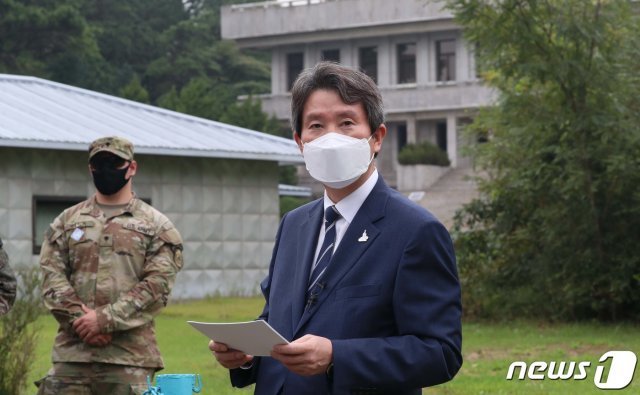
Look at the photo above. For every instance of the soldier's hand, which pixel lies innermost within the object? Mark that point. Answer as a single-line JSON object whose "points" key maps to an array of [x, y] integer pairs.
{"points": [[87, 326], [100, 340], [228, 357]]}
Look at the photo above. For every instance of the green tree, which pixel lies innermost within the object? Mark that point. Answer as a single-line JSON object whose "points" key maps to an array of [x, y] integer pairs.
{"points": [[129, 35], [200, 97], [192, 51], [49, 39], [248, 114], [135, 91], [554, 233]]}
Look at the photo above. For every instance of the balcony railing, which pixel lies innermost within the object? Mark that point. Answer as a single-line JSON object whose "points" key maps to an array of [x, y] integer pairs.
{"points": [[276, 3], [257, 22], [452, 95]]}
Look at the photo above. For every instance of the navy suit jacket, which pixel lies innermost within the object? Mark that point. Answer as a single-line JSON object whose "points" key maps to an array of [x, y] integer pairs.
{"points": [[390, 306]]}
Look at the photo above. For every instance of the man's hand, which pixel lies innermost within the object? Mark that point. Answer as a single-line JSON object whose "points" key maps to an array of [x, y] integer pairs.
{"points": [[228, 357], [99, 340], [306, 356], [87, 325]]}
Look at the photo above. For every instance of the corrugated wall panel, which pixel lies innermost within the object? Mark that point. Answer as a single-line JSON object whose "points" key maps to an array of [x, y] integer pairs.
{"points": [[226, 211]]}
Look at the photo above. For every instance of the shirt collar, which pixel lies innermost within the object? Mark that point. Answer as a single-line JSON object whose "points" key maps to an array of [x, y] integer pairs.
{"points": [[349, 206], [94, 210]]}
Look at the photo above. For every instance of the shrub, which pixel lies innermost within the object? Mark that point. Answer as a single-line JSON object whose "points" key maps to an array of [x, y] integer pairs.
{"points": [[288, 203], [424, 153], [18, 334]]}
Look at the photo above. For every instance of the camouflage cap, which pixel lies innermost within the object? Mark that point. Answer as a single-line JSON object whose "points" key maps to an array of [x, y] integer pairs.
{"points": [[116, 145]]}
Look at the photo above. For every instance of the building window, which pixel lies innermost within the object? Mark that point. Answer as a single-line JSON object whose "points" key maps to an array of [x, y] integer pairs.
{"points": [[368, 58], [446, 60], [476, 63], [401, 132], [406, 55], [331, 55], [441, 135], [295, 64], [45, 210]]}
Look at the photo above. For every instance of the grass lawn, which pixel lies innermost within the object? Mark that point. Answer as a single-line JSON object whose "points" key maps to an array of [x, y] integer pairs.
{"points": [[488, 350]]}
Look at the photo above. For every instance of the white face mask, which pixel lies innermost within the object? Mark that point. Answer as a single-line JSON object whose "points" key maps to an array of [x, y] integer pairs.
{"points": [[337, 160]]}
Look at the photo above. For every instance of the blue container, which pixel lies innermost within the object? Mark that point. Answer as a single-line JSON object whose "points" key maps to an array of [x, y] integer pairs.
{"points": [[175, 384]]}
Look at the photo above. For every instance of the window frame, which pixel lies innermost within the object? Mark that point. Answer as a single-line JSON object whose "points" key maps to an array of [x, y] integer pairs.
{"points": [[360, 58], [400, 62], [329, 59], [292, 78], [36, 245], [440, 61]]}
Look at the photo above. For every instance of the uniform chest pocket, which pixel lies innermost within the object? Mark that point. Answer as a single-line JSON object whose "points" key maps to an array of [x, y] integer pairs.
{"points": [[79, 232], [81, 238]]}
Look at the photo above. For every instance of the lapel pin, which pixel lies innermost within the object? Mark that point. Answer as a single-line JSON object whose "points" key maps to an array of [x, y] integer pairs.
{"points": [[364, 237]]}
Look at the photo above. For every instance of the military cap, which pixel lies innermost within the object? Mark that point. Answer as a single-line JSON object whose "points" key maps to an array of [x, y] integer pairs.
{"points": [[116, 145]]}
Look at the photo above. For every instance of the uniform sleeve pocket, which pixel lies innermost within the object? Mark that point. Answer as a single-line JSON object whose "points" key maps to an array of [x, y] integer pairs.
{"points": [[358, 291]]}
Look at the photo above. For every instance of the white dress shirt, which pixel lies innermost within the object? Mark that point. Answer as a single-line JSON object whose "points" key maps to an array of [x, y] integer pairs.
{"points": [[348, 208]]}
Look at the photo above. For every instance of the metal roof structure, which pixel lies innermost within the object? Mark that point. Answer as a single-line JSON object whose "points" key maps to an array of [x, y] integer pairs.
{"points": [[36, 113]]}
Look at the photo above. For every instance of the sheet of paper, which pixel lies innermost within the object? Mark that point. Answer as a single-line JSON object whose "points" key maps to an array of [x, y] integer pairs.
{"points": [[255, 338]]}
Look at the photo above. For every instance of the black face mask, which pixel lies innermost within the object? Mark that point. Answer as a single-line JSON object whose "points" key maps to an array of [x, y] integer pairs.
{"points": [[109, 181]]}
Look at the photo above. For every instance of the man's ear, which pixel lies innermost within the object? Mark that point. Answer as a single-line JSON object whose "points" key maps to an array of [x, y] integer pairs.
{"points": [[298, 140], [378, 136], [131, 171]]}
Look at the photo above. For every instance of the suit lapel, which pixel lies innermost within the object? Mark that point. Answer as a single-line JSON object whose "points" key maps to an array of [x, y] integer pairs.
{"points": [[350, 248], [309, 230]]}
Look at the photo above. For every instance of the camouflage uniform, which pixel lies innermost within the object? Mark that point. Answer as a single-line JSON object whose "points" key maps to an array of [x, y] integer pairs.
{"points": [[7, 283], [124, 267]]}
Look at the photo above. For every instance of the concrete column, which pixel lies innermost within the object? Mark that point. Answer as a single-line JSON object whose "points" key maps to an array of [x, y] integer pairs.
{"points": [[431, 59], [452, 139], [462, 59], [310, 58], [277, 85], [422, 60], [412, 134], [385, 56], [347, 57]]}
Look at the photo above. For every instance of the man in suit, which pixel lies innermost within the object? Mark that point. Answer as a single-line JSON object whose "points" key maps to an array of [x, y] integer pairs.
{"points": [[362, 282]]}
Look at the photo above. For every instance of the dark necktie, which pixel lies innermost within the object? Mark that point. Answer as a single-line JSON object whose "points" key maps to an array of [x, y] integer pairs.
{"points": [[316, 284]]}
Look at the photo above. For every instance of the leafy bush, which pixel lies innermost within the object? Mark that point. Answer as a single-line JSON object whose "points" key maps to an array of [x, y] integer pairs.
{"points": [[551, 235], [424, 153], [288, 203], [18, 334]]}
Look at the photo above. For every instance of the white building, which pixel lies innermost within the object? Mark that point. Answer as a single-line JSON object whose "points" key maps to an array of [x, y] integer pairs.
{"points": [[412, 48], [218, 183]]}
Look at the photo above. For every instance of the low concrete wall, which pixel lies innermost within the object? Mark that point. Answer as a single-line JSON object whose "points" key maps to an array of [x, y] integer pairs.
{"points": [[419, 177]]}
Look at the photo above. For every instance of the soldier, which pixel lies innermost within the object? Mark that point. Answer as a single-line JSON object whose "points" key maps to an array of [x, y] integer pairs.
{"points": [[7, 283], [108, 266]]}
